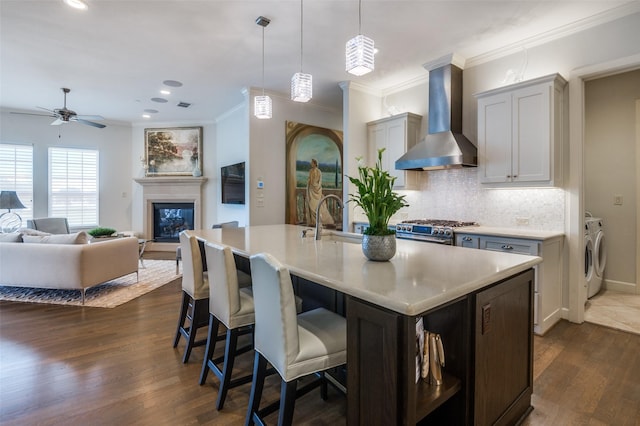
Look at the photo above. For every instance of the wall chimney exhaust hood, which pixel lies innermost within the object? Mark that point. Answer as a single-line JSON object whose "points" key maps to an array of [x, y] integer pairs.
{"points": [[445, 146]]}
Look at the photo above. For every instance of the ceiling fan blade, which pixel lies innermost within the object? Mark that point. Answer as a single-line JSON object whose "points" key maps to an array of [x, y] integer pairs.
{"points": [[30, 113], [57, 122], [90, 123], [90, 117], [47, 109]]}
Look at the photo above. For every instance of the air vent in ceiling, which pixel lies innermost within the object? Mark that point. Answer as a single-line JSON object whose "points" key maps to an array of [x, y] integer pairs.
{"points": [[184, 104]]}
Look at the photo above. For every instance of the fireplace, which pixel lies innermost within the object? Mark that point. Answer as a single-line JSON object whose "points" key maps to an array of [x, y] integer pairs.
{"points": [[169, 219], [179, 193]]}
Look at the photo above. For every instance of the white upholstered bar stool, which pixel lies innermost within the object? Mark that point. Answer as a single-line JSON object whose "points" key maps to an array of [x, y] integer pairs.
{"points": [[232, 224], [230, 303], [295, 345], [195, 295]]}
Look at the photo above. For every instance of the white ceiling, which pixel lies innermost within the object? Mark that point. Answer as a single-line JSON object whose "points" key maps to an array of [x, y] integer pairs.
{"points": [[115, 55]]}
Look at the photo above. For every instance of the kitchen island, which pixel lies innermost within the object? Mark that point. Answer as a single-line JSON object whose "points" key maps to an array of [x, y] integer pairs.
{"points": [[479, 301]]}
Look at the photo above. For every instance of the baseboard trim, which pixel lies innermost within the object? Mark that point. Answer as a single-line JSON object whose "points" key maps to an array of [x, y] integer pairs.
{"points": [[620, 286]]}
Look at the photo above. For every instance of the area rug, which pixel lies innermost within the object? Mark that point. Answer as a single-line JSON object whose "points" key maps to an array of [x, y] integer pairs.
{"points": [[110, 294]]}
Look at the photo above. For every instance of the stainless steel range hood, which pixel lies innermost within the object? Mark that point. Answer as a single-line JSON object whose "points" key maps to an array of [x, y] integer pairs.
{"points": [[445, 146]]}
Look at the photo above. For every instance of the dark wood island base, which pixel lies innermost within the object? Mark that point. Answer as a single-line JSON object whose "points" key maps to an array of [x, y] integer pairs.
{"points": [[488, 338]]}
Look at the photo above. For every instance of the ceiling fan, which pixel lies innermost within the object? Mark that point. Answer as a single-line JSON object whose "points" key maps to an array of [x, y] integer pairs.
{"points": [[65, 115]]}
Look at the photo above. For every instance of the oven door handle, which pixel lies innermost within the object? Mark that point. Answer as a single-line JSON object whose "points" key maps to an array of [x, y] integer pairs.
{"points": [[426, 239]]}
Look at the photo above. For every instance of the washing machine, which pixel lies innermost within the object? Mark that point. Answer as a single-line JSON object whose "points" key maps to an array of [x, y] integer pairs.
{"points": [[589, 273], [595, 230]]}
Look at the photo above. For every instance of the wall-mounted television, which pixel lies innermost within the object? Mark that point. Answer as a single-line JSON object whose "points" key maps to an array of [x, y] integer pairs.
{"points": [[232, 179]]}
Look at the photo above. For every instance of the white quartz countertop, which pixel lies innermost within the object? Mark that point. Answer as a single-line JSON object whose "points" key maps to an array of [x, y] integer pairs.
{"points": [[509, 232], [421, 276]]}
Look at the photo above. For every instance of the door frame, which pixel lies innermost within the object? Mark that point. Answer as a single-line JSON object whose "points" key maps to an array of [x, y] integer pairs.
{"points": [[574, 224]]}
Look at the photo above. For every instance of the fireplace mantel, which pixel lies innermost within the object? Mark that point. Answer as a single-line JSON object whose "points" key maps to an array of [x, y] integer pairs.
{"points": [[162, 189], [171, 180]]}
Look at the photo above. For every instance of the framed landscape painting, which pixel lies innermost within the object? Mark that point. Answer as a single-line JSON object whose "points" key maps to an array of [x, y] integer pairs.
{"points": [[173, 151], [314, 169]]}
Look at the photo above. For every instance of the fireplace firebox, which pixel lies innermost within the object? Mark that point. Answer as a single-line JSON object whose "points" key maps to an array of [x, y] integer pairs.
{"points": [[169, 219]]}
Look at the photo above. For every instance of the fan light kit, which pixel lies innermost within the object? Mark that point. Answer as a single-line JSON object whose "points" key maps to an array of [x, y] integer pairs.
{"points": [[262, 104], [360, 51]]}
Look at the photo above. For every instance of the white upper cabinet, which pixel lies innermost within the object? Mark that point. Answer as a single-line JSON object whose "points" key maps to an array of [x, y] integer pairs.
{"points": [[520, 133], [397, 134]]}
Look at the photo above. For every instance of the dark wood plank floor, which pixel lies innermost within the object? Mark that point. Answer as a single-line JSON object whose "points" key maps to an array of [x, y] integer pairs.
{"points": [[74, 365]]}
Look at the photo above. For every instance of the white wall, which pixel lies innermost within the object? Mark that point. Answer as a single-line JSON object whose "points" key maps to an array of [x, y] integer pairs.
{"points": [[268, 152], [232, 147], [113, 142], [610, 169]]}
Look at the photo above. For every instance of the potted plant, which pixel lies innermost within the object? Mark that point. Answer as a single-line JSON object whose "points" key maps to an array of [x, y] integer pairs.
{"points": [[376, 198]]}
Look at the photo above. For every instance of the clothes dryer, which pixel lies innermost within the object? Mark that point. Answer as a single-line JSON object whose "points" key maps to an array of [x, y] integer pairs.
{"points": [[595, 229]]}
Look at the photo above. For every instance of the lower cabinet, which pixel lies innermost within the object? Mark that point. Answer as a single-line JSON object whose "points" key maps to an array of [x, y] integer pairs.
{"points": [[548, 282], [488, 372], [503, 352]]}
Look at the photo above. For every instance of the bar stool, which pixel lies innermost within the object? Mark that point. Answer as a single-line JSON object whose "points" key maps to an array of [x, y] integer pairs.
{"points": [[232, 306], [295, 345], [195, 295], [232, 224]]}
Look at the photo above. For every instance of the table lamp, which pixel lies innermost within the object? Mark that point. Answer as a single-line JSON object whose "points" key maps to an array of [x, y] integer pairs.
{"points": [[10, 221]]}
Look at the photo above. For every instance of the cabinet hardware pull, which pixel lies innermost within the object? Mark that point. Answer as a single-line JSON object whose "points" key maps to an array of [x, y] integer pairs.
{"points": [[507, 247], [508, 176], [466, 239]]}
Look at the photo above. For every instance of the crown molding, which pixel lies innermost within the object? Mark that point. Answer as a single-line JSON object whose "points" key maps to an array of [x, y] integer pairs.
{"points": [[557, 33]]}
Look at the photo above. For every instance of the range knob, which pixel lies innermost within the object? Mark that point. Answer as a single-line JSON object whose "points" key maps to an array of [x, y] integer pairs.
{"points": [[447, 232]]}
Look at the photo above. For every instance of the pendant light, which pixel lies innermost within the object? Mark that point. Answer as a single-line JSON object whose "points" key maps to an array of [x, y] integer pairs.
{"points": [[301, 83], [262, 104], [359, 50]]}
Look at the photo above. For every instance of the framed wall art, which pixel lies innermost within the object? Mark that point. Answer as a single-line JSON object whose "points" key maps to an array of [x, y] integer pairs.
{"points": [[174, 151], [314, 169]]}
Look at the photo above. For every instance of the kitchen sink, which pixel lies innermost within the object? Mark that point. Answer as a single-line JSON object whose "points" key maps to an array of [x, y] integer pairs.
{"points": [[341, 237], [336, 236]]}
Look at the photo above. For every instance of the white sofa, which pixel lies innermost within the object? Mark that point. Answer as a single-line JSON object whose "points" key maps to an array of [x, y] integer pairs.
{"points": [[67, 266]]}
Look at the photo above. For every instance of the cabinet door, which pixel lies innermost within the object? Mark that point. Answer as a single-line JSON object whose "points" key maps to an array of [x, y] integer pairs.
{"points": [[531, 141], [504, 351], [377, 137], [396, 147], [494, 138]]}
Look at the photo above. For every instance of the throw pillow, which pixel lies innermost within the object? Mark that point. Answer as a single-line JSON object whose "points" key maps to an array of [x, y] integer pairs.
{"points": [[30, 231], [77, 238], [13, 237]]}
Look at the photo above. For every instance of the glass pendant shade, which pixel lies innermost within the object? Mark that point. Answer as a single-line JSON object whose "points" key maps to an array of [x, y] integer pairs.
{"points": [[359, 55], [301, 87], [262, 107]]}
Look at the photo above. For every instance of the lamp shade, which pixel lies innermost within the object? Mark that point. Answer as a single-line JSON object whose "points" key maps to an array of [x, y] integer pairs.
{"points": [[359, 55], [262, 107], [9, 200], [301, 87]]}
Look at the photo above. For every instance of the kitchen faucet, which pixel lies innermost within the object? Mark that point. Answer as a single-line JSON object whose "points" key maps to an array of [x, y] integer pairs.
{"points": [[318, 218]]}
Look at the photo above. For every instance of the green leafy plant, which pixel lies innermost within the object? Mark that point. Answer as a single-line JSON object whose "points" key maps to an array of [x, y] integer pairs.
{"points": [[101, 232], [375, 196]]}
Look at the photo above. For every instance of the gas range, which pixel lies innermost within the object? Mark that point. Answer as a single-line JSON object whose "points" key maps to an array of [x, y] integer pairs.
{"points": [[430, 230]]}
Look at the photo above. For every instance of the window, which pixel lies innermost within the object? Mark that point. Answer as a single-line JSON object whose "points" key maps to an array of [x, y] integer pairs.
{"points": [[16, 174], [73, 185]]}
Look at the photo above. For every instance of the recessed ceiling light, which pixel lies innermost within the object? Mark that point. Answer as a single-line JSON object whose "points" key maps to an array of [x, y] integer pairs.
{"points": [[172, 83], [165, 92], [159, 100], [146, 116], [77, 4]]}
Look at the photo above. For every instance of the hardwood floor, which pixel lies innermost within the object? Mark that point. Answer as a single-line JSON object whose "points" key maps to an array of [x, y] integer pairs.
{"points": [[74, 365]]}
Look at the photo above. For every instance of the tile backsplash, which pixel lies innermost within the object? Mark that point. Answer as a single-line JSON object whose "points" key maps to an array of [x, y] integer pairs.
{"points": [[457, 195]]}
